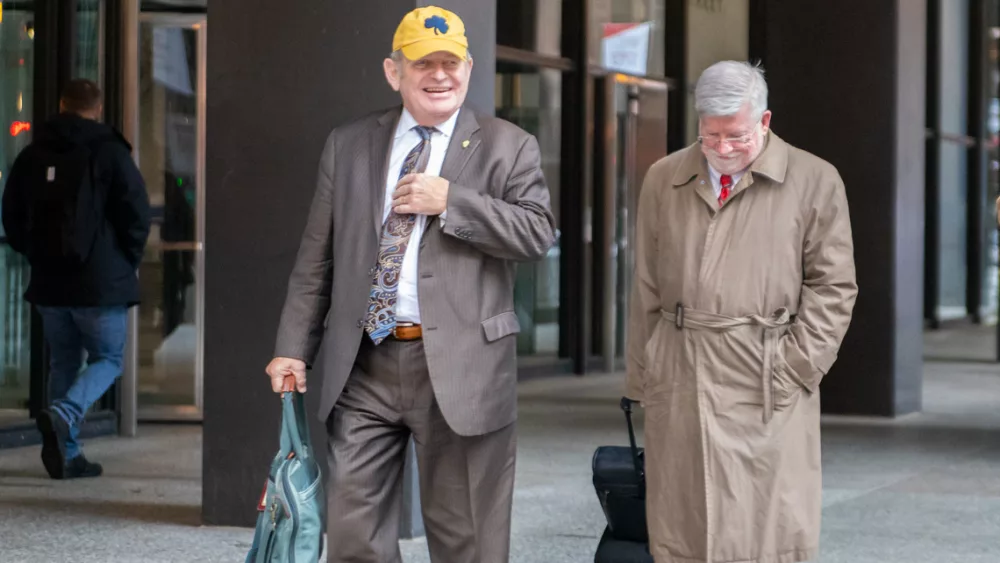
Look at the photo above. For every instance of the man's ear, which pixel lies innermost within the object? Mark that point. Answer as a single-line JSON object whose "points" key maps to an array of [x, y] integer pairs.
{"points": [[765, 120], [391, 73]]}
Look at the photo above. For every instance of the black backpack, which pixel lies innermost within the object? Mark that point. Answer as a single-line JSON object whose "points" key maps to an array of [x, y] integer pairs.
{"points": [[65, 212]]}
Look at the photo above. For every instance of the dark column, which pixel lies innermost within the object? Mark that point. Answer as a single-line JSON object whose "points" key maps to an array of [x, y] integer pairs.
{"points": [[847, 83], [575, 170], [279, 80], [979, 227], [676, 45]]}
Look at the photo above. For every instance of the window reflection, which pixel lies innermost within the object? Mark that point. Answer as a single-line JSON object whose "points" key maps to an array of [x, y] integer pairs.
{"points": [[90, 47], [531, 98], [532, 25], [629, 35]]}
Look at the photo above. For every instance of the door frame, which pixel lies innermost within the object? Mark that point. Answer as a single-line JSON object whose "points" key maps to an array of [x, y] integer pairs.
{"points": [[194, 412], [608, 269]]}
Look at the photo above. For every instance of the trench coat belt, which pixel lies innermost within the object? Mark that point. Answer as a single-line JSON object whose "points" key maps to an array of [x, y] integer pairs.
{"points": [[692, 319]]}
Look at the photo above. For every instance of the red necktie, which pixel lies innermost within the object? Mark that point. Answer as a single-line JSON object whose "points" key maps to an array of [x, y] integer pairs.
{"points": [[726, 181]]}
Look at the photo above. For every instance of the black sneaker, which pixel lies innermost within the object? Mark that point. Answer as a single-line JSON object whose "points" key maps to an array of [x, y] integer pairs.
{"points": [[55, 432], [80, 467]]}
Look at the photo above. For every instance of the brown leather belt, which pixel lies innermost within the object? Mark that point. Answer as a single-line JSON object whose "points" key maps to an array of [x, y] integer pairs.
{"points": [[407, 332]]}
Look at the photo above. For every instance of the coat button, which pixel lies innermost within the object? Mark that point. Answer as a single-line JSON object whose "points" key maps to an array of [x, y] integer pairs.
{"points": [[361, 323], [371, 271]]}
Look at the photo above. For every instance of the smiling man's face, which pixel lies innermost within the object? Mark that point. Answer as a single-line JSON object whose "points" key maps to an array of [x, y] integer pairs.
{"points": [[432, 88]]}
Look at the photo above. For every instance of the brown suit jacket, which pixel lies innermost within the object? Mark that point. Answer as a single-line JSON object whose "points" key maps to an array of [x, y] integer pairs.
{"points": [[498, 214]]}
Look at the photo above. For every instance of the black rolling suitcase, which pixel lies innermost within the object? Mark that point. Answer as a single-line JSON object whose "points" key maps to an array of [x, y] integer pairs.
{"points": [[620, 483], [611, 550]]}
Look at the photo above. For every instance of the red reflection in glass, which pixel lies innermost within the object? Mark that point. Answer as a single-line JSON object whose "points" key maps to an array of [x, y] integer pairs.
{"points": [[19, 127]]}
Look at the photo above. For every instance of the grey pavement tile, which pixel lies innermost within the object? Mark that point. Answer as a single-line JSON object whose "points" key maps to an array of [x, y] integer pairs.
{"points": [[836, 496], [912, 528], [977, 475]]}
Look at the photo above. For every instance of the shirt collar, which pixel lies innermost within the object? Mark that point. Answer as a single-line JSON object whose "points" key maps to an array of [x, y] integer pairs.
{"points": [[717, 176], [407, 122]]}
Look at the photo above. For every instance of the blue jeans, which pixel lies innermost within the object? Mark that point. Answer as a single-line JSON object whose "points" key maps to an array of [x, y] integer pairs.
{"points": [[69, 332]]}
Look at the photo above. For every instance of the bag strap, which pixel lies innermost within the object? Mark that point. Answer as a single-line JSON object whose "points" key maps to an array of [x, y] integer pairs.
{"points": [[640, 472], [294, 427]]}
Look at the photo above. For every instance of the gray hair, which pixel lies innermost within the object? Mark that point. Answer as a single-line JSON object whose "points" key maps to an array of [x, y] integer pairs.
{"points": [[725, 87]]}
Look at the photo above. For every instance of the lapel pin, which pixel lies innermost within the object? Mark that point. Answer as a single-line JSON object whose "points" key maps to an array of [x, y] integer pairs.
{"points": [[465, 144]]}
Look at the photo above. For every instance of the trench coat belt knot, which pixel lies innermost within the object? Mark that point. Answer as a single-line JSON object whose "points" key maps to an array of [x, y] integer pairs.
{"points": [[693, 319]]}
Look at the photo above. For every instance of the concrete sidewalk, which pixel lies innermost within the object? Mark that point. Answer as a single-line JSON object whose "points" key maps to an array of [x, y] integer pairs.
{"points": [[922, 489]]}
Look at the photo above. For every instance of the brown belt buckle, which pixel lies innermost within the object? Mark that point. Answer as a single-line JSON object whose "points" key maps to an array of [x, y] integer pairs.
{"points": [[407, 332]]}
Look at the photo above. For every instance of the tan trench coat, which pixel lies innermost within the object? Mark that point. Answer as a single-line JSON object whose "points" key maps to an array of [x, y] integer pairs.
{"points": [[767, 286]]}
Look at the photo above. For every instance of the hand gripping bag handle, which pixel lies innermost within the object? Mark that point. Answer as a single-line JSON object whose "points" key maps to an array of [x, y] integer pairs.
{"points": [[294, 427]]}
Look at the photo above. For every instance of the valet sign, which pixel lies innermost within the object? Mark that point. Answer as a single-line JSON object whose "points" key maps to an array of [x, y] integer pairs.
{"points": [[625, 47]]}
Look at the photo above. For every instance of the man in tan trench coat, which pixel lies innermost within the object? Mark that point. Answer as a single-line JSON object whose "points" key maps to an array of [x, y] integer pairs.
{"points": [[744, 289]]}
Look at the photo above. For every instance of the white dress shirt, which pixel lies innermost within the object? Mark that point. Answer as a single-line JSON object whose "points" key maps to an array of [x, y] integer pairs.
{"points": [[717, 180], [407, 307]]}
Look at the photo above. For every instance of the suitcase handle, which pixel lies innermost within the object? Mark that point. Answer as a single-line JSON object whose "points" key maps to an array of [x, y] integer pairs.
{"points": [[640, 472]]}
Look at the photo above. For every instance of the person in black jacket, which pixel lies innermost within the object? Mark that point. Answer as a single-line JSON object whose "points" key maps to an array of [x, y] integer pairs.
{"points": [[76, 206]]}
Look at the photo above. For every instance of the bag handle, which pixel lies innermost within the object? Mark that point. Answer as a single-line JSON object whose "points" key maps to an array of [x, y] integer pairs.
{"points": [[640, 472], [294, 427]]}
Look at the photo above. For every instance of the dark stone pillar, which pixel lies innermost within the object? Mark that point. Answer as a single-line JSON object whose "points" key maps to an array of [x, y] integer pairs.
{"points": [[847, 82], [279, 79]]}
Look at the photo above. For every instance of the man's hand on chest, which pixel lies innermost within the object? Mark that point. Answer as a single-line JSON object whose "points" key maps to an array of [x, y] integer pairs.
{"points": [[421, 194]]}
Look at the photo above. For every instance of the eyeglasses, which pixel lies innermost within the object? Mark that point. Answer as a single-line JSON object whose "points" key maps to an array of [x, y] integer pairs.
{"points": [[714, 141]]}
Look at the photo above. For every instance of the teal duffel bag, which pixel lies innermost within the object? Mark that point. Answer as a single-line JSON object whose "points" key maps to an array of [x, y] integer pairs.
{"points": [[292, 509]]}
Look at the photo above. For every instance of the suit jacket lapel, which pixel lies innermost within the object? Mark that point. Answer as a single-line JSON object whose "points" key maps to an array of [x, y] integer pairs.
{"points": [[381, 147], [466, 129]]}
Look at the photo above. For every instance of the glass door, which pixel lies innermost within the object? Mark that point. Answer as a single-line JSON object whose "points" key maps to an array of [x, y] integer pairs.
{"points": [[530, 97], [90, 33], [632, 122], [17, 35], [991, 138], [171, 149]]}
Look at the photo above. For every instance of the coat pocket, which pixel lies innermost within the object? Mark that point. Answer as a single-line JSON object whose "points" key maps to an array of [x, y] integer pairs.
{"points": [[785, 387], [501, 325]]}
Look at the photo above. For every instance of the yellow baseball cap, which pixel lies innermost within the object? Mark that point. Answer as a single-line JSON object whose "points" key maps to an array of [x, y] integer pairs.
{"points": [[428, 30]]}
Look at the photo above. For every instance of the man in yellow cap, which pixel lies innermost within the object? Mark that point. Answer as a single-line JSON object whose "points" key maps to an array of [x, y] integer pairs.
{"points": [[405, 276]]}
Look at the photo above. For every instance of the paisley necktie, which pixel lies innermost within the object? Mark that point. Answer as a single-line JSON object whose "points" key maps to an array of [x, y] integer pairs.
{"points": [[381, 317]]}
